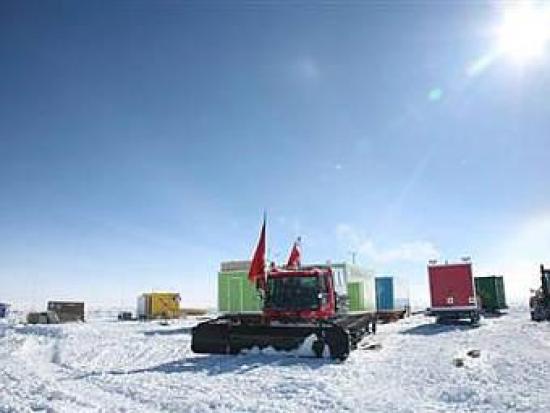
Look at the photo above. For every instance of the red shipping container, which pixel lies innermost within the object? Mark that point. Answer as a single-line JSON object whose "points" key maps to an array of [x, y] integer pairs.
{"points": [[452, 287]]}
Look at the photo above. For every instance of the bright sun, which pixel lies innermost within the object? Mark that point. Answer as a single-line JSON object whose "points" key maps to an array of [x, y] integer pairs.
{"points": [[525, 32]]}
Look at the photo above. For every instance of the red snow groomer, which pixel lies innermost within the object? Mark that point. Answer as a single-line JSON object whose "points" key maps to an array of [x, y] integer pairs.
{"points": [[300, 305], [452, 292]]}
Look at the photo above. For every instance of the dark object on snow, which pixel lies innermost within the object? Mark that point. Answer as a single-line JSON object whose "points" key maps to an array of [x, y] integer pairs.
{"points": [[458, 362], [390, 316], [67, 311], [125, 316], [45, 317], [540, 302], [490, 291], [4, 310], [375, 346], [194, 311], [474, 353]]}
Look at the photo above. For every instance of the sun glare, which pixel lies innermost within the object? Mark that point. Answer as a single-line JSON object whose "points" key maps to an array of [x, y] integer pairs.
{"points": [[525, 31]]}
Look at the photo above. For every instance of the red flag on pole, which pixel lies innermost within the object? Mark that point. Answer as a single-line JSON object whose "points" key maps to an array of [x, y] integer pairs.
{"points": [[257, 267], [295, 255]]}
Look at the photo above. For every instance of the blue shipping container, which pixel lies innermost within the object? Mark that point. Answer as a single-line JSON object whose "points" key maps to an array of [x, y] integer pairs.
{"points": [[392, 293], [384, 293]]}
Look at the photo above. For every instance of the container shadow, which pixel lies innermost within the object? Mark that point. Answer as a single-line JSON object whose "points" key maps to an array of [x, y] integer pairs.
{"points": [[160, 332], [434, 329], [496, 314]]}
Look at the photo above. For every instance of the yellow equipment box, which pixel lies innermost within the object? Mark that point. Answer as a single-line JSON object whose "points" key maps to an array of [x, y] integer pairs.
{"points": [[159, 305]]}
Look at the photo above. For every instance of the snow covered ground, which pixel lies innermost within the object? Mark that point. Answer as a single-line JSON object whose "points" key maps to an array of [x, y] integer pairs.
{"points": [[105, 365]]}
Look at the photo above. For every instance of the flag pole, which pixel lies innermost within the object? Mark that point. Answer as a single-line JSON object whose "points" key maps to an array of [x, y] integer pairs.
{"points": [[265, 258]]}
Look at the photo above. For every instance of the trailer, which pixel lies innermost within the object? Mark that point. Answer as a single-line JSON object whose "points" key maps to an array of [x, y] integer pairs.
{"points": [[452, 292]]}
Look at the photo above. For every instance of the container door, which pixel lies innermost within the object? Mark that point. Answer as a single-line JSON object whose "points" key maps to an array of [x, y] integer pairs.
{"points": [[487, 289], [492, 293], [384, 293], [154, 305], [141, 306], [235, 294], [501, 297], [477, 285], [451, 285], [149, 305], [355, 295]]}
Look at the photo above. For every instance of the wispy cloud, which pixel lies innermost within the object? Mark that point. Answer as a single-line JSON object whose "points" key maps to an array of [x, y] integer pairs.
{"points": [[412, 251]]}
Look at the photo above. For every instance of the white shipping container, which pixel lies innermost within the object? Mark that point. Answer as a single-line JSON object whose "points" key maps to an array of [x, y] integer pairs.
{"points": [[366, 277], [141, 307], [401, 293]]}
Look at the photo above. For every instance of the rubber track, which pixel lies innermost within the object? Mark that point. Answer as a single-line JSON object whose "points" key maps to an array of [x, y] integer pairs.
{"points": [[233, 333]]}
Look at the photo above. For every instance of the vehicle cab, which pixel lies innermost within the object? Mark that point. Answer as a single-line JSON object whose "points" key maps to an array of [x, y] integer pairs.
{"points": [[302, 293]]}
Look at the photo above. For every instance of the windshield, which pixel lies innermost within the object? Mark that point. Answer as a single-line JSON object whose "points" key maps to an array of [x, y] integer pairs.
{"points": [[293, 293]]}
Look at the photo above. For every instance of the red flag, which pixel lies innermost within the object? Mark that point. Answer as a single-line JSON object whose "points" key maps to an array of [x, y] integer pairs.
{"points": [[257, 267], [295, 255]]}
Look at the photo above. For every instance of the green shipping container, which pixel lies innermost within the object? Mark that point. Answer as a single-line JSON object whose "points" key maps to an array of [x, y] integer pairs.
{"points": [[236, 294], [491, 291], [361, 295]]}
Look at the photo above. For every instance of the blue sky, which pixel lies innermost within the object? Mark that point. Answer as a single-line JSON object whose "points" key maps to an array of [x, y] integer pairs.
{"points": [[141, 141]]}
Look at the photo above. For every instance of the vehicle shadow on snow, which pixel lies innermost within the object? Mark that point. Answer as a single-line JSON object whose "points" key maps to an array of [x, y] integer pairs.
{"points": [[434, 328], [219, 364]]}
